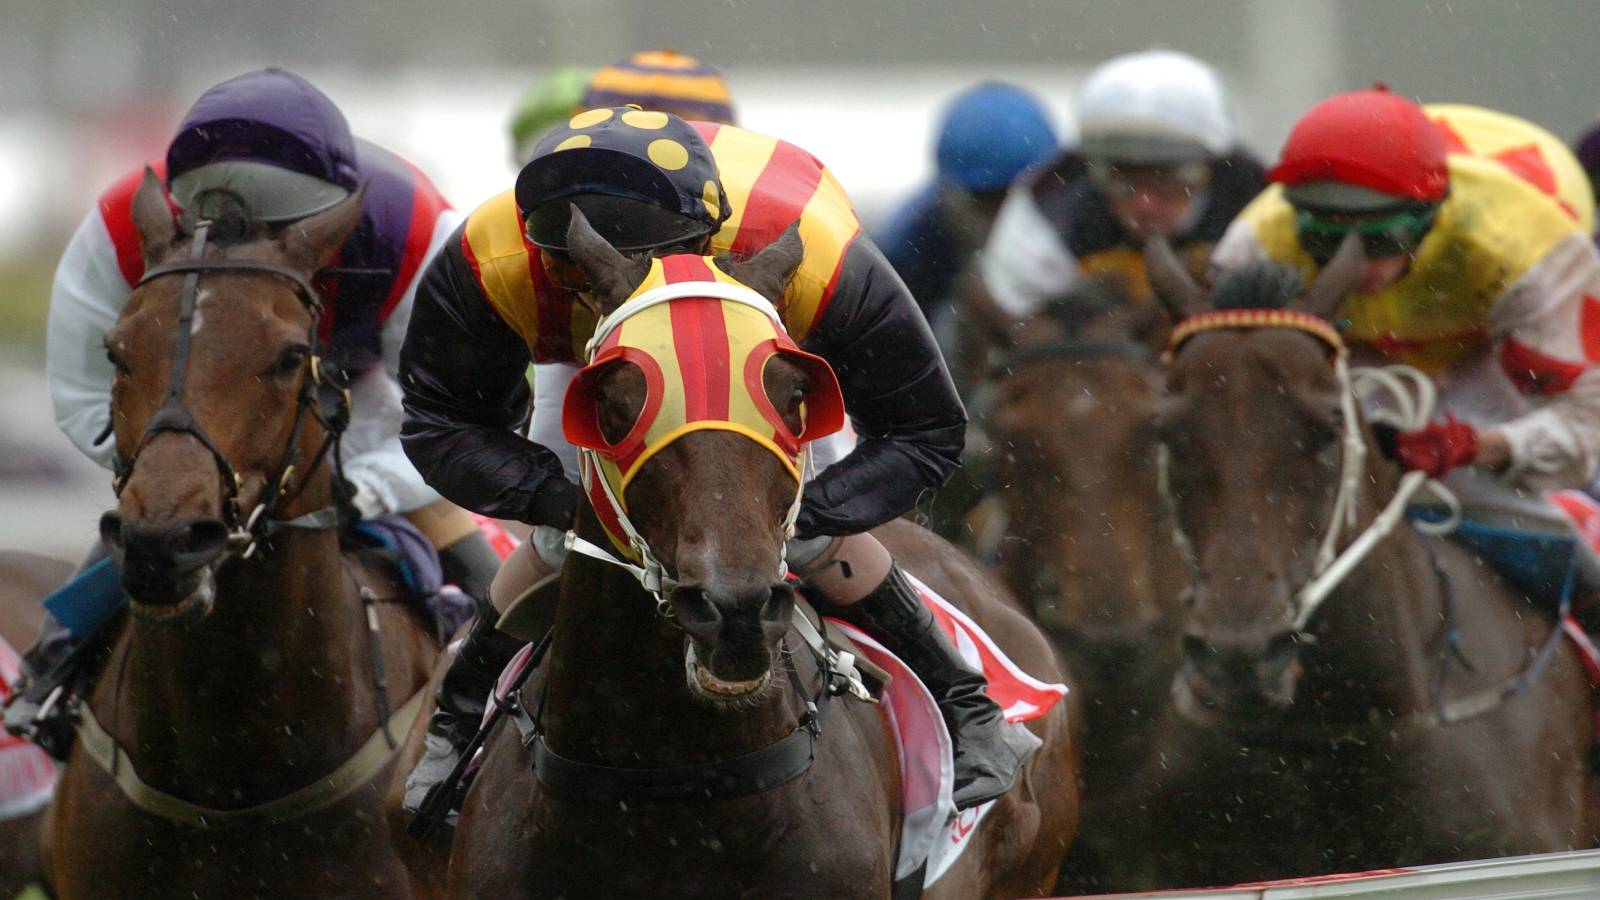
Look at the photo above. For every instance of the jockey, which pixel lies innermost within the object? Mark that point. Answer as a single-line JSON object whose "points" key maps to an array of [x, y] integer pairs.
{"points": [[270, 140], [990, 133], [548, 102], [1159, 156], [504, 291], [1478, 271], [663, 80]]}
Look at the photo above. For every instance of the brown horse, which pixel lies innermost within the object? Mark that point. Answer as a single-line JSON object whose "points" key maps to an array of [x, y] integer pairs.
{"points": [[242, 706], [1089, 541], [622, 689], [25, 579], [1383, 727]]}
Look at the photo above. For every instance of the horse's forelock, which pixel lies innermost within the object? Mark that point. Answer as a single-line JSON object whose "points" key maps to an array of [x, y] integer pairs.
{"points": [[1264, 284]]}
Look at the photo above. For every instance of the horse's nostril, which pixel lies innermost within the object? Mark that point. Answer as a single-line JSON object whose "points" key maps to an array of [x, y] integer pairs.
{"points": [[696, 612], [778, 605], [202, 537], [111, 531]]}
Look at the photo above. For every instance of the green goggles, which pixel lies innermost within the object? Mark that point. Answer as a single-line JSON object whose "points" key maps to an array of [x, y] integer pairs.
{"points": [[1390, 235]]}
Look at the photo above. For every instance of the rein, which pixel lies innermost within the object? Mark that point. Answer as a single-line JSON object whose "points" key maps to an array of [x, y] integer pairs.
{"points": [[1331, 566], [246, 531]]}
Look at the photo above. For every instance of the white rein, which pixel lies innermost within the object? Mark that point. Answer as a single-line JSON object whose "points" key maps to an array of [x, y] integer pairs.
{"points": [[1414, 397]]}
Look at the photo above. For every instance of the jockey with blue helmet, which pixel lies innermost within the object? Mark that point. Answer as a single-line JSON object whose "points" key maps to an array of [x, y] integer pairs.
{"points": [[270, 142], [989, 135], [504, 291]]}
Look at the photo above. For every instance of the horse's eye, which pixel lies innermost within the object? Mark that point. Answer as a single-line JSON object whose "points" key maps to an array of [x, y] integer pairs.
{"points": [[289, 362], [797, 397]]}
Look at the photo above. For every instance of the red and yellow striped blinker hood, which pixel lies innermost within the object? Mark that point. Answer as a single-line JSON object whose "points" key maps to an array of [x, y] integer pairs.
{"points": [[702, 341]]}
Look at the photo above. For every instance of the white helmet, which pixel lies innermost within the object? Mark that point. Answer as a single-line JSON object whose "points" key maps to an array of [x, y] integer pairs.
{"points": [[1157, 106]]}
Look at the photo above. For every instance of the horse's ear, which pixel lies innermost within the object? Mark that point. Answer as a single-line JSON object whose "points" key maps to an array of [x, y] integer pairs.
{"points": [[769, 272], [1170, 281], [152, 218], [1337, 280], [612, 276], [314, 242]]}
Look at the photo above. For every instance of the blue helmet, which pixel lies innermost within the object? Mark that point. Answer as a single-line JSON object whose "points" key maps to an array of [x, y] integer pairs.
{"points": [[991, 133]]}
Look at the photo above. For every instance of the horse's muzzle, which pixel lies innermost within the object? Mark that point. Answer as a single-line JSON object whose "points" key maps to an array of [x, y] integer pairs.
{"points": [[165, 567], [732, 638], [1237, 679]]}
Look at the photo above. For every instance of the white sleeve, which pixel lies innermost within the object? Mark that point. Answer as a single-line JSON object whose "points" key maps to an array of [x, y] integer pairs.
{"points": [[1025, 264], [550, 382], [86, 298], [1238, 247], [385, 479], [394, 330], [1539, 320]]}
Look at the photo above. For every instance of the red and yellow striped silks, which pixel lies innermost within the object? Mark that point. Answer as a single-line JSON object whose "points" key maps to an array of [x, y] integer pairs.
{"points": [[702, 359], [769, 184]]}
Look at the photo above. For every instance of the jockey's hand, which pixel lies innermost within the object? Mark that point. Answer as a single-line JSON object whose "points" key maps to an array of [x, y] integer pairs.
{"points": [[1438, 448]]}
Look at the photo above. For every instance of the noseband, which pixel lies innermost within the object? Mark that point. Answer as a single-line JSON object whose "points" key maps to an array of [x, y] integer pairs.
{"points": [[320, 396]]}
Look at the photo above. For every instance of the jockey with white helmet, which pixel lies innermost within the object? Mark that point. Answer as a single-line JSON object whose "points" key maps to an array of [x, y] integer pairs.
{"points": [[1158, 155]]}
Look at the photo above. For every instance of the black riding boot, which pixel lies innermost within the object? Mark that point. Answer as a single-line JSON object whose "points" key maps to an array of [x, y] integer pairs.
{"points": [[988, 752], [463, 694]]}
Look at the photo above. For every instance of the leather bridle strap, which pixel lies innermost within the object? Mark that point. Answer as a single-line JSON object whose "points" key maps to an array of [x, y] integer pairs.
{"points": [[174, 416], [351, 775]]}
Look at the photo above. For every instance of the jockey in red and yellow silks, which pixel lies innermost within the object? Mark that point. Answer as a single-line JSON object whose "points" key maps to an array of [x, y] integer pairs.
{"points": [[506, 292], [1480, 273]]}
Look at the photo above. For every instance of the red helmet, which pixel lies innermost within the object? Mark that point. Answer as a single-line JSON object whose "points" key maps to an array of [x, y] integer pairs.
{"points": [[1368, 139]]}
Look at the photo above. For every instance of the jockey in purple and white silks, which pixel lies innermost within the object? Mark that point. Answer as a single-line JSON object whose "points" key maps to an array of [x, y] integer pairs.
{"points": [[270, 141]]}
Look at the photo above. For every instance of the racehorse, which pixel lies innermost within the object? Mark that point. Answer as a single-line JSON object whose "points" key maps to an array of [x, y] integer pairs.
{"points": [[1351, 697], [646, 739], [237, 733], [25, 578], [1089, 542]]}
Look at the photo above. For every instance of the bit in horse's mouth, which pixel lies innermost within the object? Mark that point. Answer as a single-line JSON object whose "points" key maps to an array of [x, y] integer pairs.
{"points": [[710, 687], [193, 607]]}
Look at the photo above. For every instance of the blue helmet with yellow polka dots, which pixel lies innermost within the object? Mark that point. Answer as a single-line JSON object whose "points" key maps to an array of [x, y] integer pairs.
{"points": [[644, 179]]}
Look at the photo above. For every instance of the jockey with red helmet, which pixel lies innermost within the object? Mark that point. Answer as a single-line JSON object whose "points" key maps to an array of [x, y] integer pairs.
{"points": [[270, 142], [1478, 271], [503, 292]]}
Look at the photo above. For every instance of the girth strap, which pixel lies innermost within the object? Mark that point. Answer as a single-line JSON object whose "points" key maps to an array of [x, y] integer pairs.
{"points": [[354, 773]]}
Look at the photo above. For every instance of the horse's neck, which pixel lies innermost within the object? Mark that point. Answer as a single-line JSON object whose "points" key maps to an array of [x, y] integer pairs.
{"points": [[1382, 622], [269, 691], [617, 691]]}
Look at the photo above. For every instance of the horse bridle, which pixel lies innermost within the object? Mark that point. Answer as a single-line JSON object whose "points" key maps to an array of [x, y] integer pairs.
{"points": [[1331, 565], [320, 395]]}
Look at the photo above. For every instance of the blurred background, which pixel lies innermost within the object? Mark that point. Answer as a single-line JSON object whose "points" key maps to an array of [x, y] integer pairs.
{"points": [[91, 88]]}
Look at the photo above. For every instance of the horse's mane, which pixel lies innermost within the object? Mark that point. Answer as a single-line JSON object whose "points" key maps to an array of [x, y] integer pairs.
{"points": [[1263, 284]]}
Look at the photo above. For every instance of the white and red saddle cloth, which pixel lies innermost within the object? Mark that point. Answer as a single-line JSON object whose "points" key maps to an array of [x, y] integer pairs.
{"points": [[27, 775], [931, 832]]}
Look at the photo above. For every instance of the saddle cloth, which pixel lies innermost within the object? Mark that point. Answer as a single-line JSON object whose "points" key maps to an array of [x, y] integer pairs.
{"points": [[931, 831], [27, 776]]}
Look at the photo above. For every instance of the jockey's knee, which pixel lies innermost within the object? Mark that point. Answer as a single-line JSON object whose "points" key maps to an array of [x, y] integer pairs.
{"points": [[522, 570]]}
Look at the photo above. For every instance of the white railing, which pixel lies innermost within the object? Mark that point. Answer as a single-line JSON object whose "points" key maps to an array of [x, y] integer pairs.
{"points": [[1550, 875]]}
